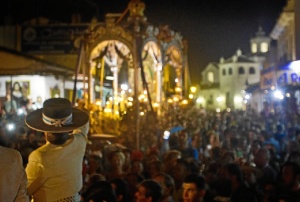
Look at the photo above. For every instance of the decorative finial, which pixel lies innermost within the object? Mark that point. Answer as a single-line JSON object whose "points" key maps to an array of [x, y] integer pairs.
{"points": [[136, 8], [238, 52], [260, 32]]}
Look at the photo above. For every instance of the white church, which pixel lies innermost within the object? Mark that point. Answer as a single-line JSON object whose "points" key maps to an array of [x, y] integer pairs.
{"points": [[224, 83]]}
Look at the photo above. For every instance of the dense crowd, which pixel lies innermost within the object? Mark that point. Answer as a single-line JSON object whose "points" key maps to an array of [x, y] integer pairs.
{"points": [[239, 155]]}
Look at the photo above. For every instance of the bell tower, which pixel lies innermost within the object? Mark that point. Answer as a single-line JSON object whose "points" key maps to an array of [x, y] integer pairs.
{"points": [[260, 43]]}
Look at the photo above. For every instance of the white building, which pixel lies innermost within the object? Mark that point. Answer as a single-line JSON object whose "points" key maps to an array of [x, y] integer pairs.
{"points": [[223, 84], [280, 77]]}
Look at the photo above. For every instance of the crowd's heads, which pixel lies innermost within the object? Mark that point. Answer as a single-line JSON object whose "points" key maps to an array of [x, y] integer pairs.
{"points": [[193, 188], [95, 177], [121, 189], [154, 167], [179, 171], [116, 158], [149, 190], [294, 157], [233, 170], [133, 179], [136, 166], [228, 157], [250, 173], [262, 157], [170, 159], [290, 173], [95, 164], [197, 179], [100, 191], [166, 182], [266, 134], [280, 128]]}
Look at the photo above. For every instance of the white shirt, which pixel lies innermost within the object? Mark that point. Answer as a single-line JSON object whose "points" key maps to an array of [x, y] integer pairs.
{"points": [[55, 171]]}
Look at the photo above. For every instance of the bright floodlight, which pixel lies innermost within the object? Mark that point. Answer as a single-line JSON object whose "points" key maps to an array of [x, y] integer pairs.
{"points": [[10, 126], [219, 99], [20, 111], [278, 94], [199, 100], [247, 96], [295, 65]]}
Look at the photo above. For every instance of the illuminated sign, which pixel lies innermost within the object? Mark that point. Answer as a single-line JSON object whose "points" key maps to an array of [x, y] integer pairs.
{"points": [[288, 74], [268, 78]]}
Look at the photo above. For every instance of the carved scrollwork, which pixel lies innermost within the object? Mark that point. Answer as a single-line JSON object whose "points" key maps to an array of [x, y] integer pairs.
{"points": [[116, 32], [165, 34]]}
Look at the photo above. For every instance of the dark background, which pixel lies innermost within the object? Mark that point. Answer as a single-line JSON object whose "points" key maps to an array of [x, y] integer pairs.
{"points": [[213, 28]]}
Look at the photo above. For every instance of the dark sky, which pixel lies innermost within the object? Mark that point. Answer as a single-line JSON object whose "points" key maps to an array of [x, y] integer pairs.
{"points": [[214, 28]]}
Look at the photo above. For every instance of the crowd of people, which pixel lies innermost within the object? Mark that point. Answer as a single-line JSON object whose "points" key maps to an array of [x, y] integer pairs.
{"points": [[231, 156]]}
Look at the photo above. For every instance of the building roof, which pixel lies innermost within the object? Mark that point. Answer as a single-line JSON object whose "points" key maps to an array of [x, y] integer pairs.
{"points": [[214, 64], [17, 63], [210, 65], [238, 59]]}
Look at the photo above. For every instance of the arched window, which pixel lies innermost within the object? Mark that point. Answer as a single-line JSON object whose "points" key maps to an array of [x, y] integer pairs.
{"points": [[251, 70], [230, 71], [254, 48], [264, 47], [210, 77], [224, 72], [241, 70]]}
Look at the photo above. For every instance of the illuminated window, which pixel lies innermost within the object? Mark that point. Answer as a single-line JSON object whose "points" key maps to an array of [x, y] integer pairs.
{"points": [[241, 70], [230, 71], [224, 72], [264, 47], [254, 48], [251, 70], [210, 77]]}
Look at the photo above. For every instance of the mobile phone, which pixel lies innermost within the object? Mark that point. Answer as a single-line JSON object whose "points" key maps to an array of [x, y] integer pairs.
{"points": [[166, 135]]}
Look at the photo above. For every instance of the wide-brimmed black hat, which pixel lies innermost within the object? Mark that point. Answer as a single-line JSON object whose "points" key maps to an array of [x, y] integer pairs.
{"points": [[57, 115]]}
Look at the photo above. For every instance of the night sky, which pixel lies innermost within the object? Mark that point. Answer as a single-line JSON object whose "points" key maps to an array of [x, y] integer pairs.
{"points": [[214, 28]]}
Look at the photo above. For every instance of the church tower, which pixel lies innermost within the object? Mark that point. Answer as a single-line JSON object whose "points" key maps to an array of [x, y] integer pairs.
{"points": [[260, 45]]}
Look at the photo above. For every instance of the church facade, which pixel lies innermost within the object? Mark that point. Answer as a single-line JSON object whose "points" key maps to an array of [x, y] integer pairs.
{"points": [[224, 83]]}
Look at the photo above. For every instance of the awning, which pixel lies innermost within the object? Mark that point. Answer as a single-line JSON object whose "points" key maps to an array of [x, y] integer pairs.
{"points": [[16, 63]]}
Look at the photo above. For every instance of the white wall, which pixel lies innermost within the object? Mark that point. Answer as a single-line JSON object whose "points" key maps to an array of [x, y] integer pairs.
{"points": [[235, 83], [38, 85]]}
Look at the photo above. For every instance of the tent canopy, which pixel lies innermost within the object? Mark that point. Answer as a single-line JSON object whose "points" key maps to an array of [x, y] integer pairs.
{"points": [[16, 63]]}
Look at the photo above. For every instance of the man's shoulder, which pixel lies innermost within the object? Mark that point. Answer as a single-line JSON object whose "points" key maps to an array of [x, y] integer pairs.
{"points": [[9, 156], [40, 151], [8, 152]]}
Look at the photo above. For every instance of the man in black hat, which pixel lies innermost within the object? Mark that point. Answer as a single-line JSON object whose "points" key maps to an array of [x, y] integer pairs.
{"points": [[54, 170]]}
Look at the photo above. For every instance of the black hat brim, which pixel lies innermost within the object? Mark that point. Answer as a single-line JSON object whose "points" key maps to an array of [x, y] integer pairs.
{"points": [[34, 120]]}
